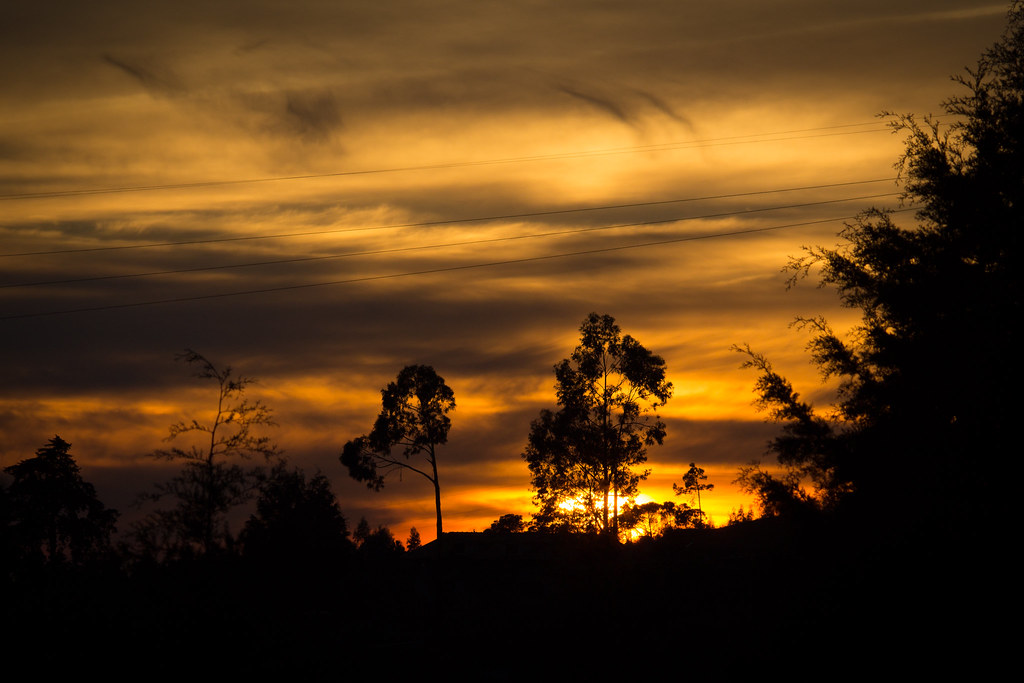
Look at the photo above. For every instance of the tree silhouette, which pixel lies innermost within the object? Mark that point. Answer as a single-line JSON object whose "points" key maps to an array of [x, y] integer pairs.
{"points": [[212, 481], [53, 515], [414, 415], [297, 523], [653, 519], [510, 523], [375, 543], [362, 531], [582, 456], [924, 389], [646, 518], [739, 516], [692, 486]]}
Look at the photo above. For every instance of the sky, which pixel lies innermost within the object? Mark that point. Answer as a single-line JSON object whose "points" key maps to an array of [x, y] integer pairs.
{"points": [[321, 193]]}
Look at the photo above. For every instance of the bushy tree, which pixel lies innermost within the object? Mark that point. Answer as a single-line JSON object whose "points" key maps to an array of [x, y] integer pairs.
{"points": [[646, 519], [376, 543], [583, 456], [52, 515], [926, 390], [508, 524], [652, 519], [212, 480], [298, 522], [413, 416]]}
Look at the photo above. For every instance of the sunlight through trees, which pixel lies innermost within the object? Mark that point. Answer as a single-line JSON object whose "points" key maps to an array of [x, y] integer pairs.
{"points": [[608, 392]]}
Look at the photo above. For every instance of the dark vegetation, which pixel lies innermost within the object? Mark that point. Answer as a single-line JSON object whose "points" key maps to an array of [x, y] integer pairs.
{"points": [[882, 539], [414, 415], [587, 451]]}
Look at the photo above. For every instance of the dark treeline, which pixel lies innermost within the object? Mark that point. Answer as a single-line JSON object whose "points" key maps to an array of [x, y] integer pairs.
{"points": [[881, 540]]}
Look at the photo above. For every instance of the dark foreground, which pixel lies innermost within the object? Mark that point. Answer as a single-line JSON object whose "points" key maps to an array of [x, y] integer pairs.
{"points": [[808, 600]]}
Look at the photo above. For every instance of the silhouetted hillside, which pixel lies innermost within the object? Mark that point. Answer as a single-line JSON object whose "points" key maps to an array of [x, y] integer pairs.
{"points": [[766, 595]]}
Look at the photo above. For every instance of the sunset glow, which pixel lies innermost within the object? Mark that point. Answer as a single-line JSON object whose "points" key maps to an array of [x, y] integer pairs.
{"points": [[321, 194]]}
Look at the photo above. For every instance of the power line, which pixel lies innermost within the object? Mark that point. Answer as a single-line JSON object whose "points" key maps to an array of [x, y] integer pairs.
{"points": [[710, 142], [555, 233], [430, 271], [449, 221]]}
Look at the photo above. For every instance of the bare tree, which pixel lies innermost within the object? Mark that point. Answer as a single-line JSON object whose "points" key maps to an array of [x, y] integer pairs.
{"points": [[212, 480]]}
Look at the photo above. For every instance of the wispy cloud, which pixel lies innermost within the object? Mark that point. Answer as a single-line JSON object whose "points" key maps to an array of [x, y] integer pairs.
{"points": [[460, 113], [150, 74]]}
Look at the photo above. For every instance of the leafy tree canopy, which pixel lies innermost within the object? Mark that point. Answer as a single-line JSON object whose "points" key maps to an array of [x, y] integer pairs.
{"points": [[297, 522], [582, 457], [53, 515], [652, 519], [414, 416], [925, 391], [507, 524]]}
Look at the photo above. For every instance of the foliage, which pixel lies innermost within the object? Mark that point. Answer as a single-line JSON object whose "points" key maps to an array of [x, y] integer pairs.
{"points": [[507, 524], [924, 390], [297, 522], [212, 481], [692, 486], [739, 516], [375, 543], [652, 519], [645, 518], [413, 541], [777, 495], [807, 449], [582, 457], [52, 515], [414, 415]]}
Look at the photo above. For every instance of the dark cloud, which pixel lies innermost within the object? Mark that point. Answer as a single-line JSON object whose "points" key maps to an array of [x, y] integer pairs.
{"points": [[668, 110], [602, 104], [151, 75], [313, 116]]}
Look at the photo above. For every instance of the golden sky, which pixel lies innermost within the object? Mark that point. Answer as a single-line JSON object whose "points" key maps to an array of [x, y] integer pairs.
{"points": [[319, 194]]}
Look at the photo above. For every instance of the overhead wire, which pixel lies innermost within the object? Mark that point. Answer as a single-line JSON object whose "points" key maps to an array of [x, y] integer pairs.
{"points": [[738, 139], [555, 233], [429, 271], [445, 221], [843, 129]]}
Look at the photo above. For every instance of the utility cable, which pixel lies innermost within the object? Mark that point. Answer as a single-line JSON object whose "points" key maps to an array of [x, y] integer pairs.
{"points": [[573, 231], [448, 221], [430, 271], [734, 140]]}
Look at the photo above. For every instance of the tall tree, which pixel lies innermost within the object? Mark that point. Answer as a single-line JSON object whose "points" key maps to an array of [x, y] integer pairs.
{"points": [[413, 416], [53, 515], [212, 480], [693, 485], [924, 389], [582, 457]]}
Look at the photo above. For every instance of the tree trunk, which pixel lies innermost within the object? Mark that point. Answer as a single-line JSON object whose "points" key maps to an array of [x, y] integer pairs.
{"points": [[437, 492]]}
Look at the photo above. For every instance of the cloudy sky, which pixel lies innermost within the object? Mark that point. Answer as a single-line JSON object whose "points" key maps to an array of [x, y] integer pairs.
{"points": [[320, 193]]}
